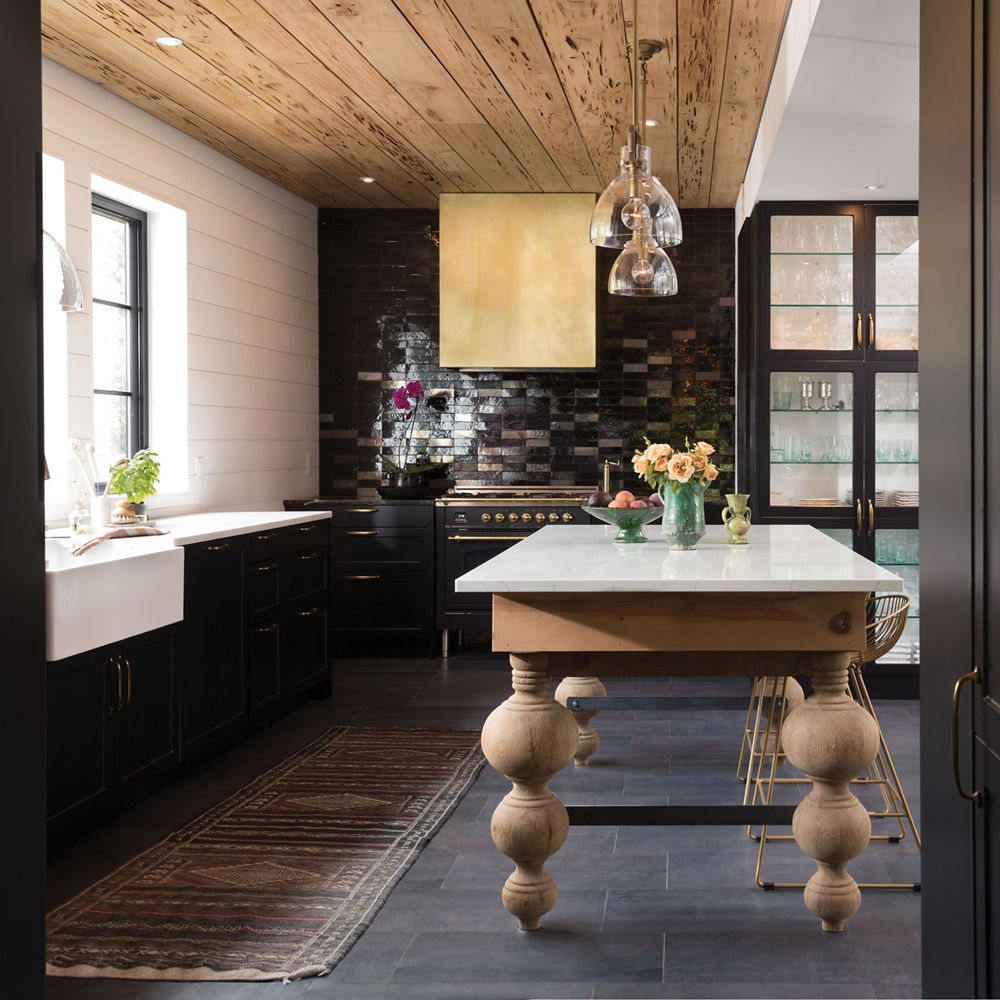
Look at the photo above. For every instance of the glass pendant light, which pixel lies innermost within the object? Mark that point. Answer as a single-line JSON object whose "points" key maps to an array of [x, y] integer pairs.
{"points": [[642, 269], [635, 211]]}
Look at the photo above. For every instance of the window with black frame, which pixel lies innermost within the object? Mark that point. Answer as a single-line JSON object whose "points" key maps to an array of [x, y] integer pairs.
{"points": [[119, 350]]}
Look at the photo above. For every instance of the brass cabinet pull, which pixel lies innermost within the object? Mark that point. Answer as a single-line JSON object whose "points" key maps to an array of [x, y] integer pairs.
{"points": [[267, 628], [117, 706], [307, 556], [859, 331], [858, 517], [307, 527], [975, 797], [128, 682], [871, 330], [360, 532], [307, 614], [360, 510], [218, 548], [486, 538], [373, 576], [265, 567], [267, 537], [871, 517]]}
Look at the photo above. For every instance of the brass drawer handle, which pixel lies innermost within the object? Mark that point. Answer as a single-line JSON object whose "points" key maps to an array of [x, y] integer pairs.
{"points": [[265, 567], [373, 576], [370, 532], [268, 628], [219, 548], [307, 527], [309, 556], [360, 510], [486, 538], [267, 537], [975, 797], [309, 613]]}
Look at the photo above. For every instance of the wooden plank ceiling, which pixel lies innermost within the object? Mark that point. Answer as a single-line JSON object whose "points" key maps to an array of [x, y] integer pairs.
{"points": [[437, 95]]}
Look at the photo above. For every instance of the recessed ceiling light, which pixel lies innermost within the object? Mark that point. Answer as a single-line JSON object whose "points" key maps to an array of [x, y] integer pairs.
{"points": [[367, 180], [874, 187], [168, 41], [652, 123]]}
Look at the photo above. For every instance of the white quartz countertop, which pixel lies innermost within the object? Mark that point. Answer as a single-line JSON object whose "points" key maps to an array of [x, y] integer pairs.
{"points": [[186, 529], [583, 558]]}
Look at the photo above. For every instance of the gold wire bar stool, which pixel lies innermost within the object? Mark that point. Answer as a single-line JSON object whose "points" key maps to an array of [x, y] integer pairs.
{"points": [[762, 753]]}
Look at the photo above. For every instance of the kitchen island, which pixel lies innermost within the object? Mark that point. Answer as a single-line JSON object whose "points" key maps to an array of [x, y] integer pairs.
{"points": [[568, 602]]}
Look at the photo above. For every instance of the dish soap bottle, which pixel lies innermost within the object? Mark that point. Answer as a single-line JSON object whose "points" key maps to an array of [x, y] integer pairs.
{"points": [[79, 516]]}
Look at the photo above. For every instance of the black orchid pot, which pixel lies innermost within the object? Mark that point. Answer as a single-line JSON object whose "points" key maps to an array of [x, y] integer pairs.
{"points": [[408, 480]]}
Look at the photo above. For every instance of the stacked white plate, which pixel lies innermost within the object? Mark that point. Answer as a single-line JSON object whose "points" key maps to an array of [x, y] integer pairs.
{"points": [[781, 498], [906, 498], [879, 498], [817, 502]]}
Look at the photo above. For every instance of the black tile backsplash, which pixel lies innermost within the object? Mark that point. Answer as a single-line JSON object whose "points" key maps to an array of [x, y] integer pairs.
{"points": [[666, 370]]}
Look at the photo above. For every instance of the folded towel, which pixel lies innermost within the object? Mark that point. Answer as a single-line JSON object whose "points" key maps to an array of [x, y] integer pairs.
{"points": [[118, 531]]}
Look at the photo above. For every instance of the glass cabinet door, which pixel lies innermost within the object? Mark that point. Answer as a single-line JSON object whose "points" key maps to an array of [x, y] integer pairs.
{"points": [[812, 439], [897, 445], [894, 326], [812, 282], [898, 550]]}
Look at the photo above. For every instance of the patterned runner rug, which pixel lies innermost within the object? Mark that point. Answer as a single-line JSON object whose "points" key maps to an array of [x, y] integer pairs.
{"points": [[282, 878]]}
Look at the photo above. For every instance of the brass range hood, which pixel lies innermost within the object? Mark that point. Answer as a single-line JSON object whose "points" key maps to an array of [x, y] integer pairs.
{"points": [[517, 287]]}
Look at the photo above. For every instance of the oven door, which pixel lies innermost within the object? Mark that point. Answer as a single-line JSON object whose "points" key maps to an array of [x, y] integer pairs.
{"points": [[461, 550]]}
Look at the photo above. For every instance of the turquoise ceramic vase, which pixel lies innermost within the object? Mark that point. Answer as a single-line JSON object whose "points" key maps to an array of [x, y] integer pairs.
{"points": [[683, 513]]}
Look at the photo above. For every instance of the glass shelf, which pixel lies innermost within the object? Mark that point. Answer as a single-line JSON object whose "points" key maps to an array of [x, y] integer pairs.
{"points": [[800, 462], [832, 409], [816, 253], [812, 305], [891, 461], [880, 410], [889, 564]]}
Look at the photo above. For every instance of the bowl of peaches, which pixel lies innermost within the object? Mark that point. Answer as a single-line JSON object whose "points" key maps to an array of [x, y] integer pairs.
{"points": [[626, 512]]}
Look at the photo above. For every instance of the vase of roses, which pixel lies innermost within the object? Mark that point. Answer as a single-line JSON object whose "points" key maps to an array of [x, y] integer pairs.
{"points": [[401, 472], [680, 478]]}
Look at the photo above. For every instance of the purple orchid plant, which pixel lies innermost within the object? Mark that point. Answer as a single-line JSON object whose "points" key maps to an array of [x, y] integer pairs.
{"points": [[401, 398]]}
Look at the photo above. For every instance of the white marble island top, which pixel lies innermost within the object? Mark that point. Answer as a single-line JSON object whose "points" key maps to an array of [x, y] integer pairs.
{"points": [[583, 558]]}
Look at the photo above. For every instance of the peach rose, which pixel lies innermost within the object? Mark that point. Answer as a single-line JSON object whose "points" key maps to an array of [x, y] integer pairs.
{"points": [[699, 461], [657, 451], [711, 472], [680, 468], [662, 463], [703, 448], [640, 463]]}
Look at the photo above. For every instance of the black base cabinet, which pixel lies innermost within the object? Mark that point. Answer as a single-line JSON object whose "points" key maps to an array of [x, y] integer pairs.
{"points": [[112, 730]]}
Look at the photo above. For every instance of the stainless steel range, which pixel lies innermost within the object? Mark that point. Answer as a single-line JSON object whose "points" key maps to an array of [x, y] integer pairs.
{"points": [[476, 523]]}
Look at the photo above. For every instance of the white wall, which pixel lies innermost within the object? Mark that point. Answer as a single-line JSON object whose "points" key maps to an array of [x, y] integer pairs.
{"points": [[252, 339]]}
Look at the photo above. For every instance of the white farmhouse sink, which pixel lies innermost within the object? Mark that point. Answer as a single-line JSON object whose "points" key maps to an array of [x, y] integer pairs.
{"points": [[119, 588]]}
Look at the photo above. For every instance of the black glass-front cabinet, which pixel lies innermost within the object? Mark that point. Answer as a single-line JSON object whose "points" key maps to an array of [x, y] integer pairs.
{"points": [[831, 395]]}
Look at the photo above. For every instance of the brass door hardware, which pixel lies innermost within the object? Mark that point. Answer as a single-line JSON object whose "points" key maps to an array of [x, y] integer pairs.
{"points": [[871, 330], [975, 796], [859, 332], [218, 548], [360, 532], [871, 518], [857, 515]]}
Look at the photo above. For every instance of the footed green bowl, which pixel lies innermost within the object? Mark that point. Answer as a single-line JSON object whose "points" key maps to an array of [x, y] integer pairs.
{"points": [[628, 520]]}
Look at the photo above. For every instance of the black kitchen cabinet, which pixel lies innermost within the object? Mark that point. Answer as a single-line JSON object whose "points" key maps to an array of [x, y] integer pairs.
{"points": [[213, 670], [112, 730], [287, 605], [830, 397], [382, 579]]}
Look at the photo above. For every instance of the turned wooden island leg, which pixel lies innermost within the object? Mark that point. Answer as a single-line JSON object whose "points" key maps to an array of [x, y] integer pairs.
{"points": [[831, 739], [582, 687], [529, 738]]}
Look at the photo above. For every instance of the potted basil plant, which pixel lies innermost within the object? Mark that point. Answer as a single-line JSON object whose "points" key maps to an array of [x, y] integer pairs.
{"points": [[136, 478]]}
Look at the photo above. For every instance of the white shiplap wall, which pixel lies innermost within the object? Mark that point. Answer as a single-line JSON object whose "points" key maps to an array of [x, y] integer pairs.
{"points": [[252, 387]]}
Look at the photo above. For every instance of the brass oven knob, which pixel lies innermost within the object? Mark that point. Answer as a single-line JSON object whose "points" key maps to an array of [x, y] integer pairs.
{"points": [[540, 518], [567, 516], [499, 517], [486, 517], [525, 517], [553, 517]]}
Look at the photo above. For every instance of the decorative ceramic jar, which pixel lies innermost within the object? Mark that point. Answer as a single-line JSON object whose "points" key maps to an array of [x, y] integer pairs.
{"points": [[736, 517], [683, 513]]}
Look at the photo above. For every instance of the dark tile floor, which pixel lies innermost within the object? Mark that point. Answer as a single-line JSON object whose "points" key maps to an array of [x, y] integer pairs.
{"points": [[643, 912]]}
